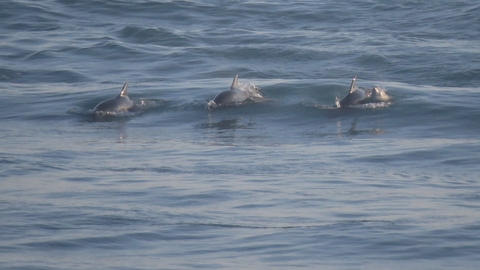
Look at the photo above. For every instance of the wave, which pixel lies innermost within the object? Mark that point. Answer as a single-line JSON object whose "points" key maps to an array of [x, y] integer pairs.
{"points": [[152, 35]]}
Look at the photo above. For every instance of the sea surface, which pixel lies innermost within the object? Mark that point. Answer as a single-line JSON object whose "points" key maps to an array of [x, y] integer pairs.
{"points": [[291, 182]]}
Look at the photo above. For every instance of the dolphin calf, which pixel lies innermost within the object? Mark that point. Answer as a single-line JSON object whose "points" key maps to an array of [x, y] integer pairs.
{"points": [[121, 103], [355, 96], [232, 96]]}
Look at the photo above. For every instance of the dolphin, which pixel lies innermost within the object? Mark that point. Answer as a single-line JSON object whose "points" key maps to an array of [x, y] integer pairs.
{"points": [[121, 103], [355, 96], [379, 95], [234, 95]]}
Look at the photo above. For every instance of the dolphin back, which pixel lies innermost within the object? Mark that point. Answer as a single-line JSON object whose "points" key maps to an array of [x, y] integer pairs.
{"points": [[121, 103], [230, 96], [234, 95], [355, 96]]}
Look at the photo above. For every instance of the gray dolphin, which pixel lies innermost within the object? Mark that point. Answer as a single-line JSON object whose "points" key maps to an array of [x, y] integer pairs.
{"points": [[121, 103], [379, 95], [355, 96], [234, 95]]}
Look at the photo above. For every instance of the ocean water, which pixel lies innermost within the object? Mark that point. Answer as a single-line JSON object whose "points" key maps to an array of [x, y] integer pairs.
{"points": [[287, 183]]}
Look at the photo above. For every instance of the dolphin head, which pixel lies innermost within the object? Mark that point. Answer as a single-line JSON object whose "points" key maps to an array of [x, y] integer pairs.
{"points": [[379, 95]]}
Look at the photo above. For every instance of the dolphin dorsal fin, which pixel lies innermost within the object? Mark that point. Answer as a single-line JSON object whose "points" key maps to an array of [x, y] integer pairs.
{"points": [[123, 93], [352, 86], [235, 84]]}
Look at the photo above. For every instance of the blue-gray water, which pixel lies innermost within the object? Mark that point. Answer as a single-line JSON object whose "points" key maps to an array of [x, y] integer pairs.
{"points": [[286, 183]]}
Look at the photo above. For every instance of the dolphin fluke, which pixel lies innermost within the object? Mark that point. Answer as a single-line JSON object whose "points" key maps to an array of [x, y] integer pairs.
{"points": [[123, 93], [235, 84]]}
